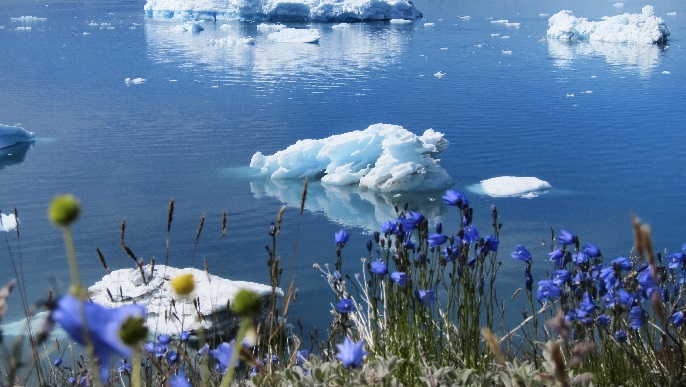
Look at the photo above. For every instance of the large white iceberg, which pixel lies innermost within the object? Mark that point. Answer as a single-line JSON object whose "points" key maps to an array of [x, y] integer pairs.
{"points": [[512, 186], [644, 28], [12, 135], [282, 10], [383, 157]]}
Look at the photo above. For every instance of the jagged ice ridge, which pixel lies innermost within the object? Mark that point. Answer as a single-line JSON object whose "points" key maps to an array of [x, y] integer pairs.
{"points": [[283, 10]]}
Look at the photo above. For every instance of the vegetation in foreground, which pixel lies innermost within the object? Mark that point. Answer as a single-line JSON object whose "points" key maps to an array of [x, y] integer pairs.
{"points": [[421, 309]]}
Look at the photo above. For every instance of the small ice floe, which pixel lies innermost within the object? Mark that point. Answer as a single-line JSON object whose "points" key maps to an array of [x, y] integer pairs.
{"points": [[501, 21], [205, 308], [134, 81], [666, 72], [225, 27], [23, 29], [85, 33], [8, 222], [569, 95], [13, 135], [505, 37], [28, 19], [295, 35], [495, 35], [429, 24], [543, 14], [465, 18], [191, 26], [513, 186], [340, 26], [618, 5], [400, 21], [444, 48], [594, 76], [439, 74], [671, 14], [507, 52], [266, 28], [229, 41]]}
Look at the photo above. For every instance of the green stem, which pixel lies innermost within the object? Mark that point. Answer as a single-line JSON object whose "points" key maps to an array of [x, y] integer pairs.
{"points": [[238, 343], [136, 368]]}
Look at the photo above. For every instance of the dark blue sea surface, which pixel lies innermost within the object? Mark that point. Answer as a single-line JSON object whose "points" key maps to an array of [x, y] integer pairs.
{"points": [[604, 124]]}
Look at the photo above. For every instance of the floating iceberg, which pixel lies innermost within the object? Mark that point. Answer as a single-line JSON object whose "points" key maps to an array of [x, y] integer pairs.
{"points": [[12, 135], [513, 186], [645, 28], [205, 308], [282, 10], [295, 35], [383, 157]]}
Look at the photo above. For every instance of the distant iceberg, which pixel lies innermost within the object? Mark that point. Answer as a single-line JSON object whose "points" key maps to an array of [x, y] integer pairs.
{"points": [[282, 10], [386, 158], [13, 135], [512, 186], [644, 28]]}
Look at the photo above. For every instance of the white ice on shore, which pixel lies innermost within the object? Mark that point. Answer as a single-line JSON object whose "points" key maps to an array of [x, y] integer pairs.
{"points": [[295, 35], [211, 292], [12, 135], [383, 157], [514, 186], [8, 222], [643, 28], [282, 10]]}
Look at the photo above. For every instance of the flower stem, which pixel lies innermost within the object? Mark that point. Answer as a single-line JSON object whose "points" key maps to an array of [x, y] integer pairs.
{"points": [[230, 368]]}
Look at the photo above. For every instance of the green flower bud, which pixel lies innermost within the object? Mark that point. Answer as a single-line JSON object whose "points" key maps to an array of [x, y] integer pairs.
{"points": [[64, 210], [133, 331], [246, 303]]}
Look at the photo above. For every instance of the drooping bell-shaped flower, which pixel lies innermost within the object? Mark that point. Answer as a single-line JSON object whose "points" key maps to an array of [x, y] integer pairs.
{"points": [[102, 324], [455, 198], [566, 238], [521, 253], [351, 354], [379, 268]]}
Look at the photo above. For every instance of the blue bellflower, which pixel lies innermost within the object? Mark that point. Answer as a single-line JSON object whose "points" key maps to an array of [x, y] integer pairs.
{"points": [[557, 256], [103, 325], [351, 354], [179, 380], [378, 268], [341, 237], [389, 227], [223, 354], [455, 198], [591, 250], [427, 297], [521, 253], [566, 238], [436, 240], [399, 278], [345, 305]]}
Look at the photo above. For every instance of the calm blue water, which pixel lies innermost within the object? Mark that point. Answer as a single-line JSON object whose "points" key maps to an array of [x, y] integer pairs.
{"points": [[613, 149]]}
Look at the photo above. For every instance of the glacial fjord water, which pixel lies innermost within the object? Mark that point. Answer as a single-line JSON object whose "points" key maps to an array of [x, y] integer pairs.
{"points": [[603, 123]]}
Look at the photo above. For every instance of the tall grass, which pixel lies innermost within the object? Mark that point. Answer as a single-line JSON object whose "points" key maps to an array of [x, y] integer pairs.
{"points": [[422, 308]]}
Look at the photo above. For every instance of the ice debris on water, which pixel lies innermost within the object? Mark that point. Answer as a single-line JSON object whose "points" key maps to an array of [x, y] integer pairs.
{"points": [[134, 81], [295, 35]]}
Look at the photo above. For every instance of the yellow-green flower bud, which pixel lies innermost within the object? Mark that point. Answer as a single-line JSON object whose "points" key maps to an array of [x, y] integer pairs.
{"points": [[183, 284], [246, 303], [133, 331], [64, 210]]}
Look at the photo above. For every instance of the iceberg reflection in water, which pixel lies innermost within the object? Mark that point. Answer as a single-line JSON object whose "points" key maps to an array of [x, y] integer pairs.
{"points": [[640, 58], [14, 154], [348, 205]]}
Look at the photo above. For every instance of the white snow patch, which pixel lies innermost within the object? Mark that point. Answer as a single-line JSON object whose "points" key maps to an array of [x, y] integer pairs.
{"points": [[509, 186], [282, 10], [8, 222], [155, 293], [645, 28], [134, 81], [382, 158], [295, 35], [12, 135]]}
